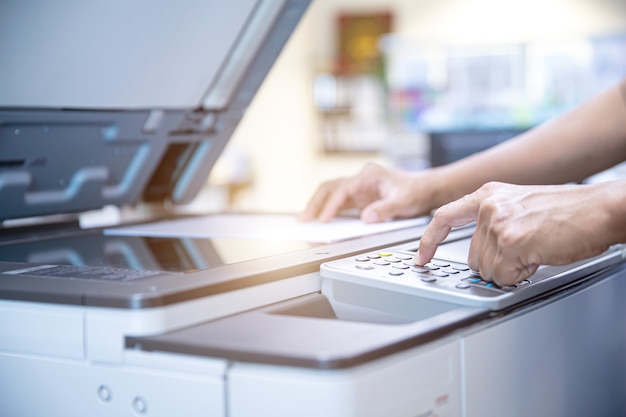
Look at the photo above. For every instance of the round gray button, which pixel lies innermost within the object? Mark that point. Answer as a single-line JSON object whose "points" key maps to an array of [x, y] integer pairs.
{"points": [[140, 405], [104, 393]]}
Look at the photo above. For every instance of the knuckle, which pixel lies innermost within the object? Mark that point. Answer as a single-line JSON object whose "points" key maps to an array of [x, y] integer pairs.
{"points": [[440, 217], [508, 237], [370, 168], [441, 213], [426, 240], [490, 187], [328, 186]]}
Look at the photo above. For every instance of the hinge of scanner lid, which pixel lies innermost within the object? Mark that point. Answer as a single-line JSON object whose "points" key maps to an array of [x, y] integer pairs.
{"points": [[197, 123], [153, 121]]}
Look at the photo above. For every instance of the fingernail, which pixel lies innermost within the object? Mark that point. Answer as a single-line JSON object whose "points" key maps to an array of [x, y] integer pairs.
{"points": [[416, 259], [370, 217]]}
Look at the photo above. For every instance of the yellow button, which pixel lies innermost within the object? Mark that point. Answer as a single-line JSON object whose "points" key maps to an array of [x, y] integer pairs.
{"points": [[385, 253]]}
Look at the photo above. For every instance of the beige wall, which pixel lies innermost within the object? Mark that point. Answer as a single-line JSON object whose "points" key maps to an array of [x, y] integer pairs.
{"points": [[278, 135]]}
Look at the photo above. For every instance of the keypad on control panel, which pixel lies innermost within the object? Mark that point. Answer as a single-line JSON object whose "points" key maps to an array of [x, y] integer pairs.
{"points": [[436, 272]]}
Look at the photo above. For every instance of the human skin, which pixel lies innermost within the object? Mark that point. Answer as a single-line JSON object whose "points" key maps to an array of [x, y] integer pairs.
{"points": [[570, 148], [519, 228]]}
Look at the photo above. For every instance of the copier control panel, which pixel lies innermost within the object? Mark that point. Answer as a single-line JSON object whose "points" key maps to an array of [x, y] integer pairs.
{"points": [[447, 278]]}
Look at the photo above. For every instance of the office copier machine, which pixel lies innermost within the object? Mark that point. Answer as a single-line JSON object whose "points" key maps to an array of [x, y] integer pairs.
{"points": [[128, 105]]}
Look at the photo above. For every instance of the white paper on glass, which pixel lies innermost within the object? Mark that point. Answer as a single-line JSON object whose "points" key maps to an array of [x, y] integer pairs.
{"points": [[263, 226]]}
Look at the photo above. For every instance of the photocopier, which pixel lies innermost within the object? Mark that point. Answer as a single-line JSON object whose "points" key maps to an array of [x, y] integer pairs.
{"points": [[129, 104]]}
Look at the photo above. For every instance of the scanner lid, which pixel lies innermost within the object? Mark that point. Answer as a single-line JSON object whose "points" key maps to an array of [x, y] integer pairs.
{"points": [[123, 55], [113, 102]]}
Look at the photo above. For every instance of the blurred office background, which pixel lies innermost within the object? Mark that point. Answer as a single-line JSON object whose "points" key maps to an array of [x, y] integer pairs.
{"points": [[412, 83]]}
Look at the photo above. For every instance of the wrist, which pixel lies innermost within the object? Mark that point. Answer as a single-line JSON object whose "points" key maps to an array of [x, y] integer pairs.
{"points": [[449, 183], [614, 205]]}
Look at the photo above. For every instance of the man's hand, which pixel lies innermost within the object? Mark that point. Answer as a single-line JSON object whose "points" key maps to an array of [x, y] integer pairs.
{"points": [[520, 228], [380, 193]]}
